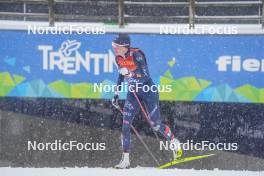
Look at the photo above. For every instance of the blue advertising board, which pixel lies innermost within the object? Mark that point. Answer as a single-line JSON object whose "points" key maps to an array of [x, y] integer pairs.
{"points": [[214, 68]]}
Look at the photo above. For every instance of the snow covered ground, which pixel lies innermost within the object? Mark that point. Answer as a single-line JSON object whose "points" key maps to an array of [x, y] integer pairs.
{"points": [[139, 171]]}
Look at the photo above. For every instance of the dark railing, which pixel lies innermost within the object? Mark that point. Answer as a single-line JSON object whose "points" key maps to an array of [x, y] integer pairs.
{"points": [[122, 11]]}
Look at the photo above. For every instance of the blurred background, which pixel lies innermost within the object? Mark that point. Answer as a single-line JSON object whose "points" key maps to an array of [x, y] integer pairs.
{"points": [[121, 11]]}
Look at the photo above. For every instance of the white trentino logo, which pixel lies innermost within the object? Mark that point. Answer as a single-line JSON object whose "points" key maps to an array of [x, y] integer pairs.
{"points": [[237, 65], [69, 60]]}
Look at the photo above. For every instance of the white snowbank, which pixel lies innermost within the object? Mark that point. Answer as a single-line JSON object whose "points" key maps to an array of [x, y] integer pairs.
{"points": [[139, 171]]}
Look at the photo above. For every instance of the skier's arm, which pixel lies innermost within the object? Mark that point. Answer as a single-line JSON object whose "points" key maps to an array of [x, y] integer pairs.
{"points": [[117, 90], [141, 64]]}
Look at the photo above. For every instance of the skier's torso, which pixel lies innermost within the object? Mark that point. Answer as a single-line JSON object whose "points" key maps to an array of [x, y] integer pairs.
{"points": [[135, 62]]}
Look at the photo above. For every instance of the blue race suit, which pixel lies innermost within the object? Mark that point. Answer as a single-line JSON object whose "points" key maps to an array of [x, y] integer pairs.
{"points": [[135, 62]]}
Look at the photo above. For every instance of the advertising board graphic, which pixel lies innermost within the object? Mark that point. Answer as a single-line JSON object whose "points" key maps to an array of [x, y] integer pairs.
{"points": [[197, 68]]}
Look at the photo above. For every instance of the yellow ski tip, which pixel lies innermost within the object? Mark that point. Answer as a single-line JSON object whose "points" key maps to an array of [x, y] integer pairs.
{"points": [[177, 161]]}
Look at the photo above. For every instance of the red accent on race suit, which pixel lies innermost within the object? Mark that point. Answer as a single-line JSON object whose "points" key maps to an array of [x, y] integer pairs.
{"points": [[127, 62], [167, 131]]}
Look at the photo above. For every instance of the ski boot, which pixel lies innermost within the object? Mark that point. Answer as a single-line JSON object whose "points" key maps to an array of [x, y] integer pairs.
{"points": [[177, 152], [124, 163]]}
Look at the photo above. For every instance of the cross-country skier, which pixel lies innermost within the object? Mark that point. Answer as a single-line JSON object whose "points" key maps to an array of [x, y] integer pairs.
{"points": [[133, 67]]}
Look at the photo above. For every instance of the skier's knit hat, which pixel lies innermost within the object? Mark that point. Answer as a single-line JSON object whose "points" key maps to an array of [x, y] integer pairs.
{"points": [[122, 40]]}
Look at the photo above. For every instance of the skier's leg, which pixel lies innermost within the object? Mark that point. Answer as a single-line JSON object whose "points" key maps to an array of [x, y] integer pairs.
{"points": [[151, 100], [129, 112], [130, 109]]}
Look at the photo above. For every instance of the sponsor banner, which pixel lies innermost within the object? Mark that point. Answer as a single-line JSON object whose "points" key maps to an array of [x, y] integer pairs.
{"points": [[186, 68]]}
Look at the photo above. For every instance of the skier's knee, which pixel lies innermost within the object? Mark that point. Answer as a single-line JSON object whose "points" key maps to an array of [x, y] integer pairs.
{"points": [[126, 125]]}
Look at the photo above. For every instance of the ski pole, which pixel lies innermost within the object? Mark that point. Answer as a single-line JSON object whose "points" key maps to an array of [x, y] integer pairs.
{"points": [[143, 110], [147, 118], [140, 138]]}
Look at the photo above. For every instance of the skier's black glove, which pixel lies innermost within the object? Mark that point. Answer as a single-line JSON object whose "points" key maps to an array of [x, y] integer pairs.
{"points": [[115, 101]]}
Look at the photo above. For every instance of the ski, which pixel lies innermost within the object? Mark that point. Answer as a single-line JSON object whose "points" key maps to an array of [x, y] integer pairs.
{"points": [[187, 159]]}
